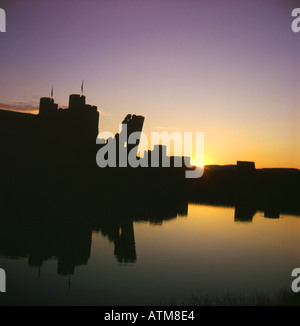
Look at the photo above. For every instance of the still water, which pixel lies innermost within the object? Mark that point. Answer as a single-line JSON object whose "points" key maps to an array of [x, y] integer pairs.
{"points": [[207, 252]]}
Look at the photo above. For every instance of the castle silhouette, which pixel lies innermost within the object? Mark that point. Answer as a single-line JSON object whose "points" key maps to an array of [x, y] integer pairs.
{"points": [[53, 195]]}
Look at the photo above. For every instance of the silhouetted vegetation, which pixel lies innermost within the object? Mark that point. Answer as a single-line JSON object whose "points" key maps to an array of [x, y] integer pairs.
{"points": [[284, 297]]}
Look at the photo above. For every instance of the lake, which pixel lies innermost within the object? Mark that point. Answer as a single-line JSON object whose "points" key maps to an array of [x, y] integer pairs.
{"points": [[207, 252]]}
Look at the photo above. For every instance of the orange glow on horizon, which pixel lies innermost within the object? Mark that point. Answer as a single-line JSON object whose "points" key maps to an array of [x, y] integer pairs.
{"points": [[199, 164]]}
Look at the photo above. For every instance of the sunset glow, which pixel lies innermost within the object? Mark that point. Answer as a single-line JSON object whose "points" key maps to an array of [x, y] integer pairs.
{"points": [[235, 80]]}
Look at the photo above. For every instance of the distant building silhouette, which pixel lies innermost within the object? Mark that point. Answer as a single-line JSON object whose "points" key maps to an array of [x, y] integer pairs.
{"points": [[158, 158]]}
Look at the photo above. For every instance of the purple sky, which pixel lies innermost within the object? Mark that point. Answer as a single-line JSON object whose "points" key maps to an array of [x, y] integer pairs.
{"points": [[229, 68]]}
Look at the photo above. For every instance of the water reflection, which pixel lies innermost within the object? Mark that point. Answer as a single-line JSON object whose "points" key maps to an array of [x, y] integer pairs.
{"points": [[70, 239], [118, 257]]}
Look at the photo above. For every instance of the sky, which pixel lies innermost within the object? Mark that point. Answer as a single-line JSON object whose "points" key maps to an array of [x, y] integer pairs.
{"points": [[227, 68]]}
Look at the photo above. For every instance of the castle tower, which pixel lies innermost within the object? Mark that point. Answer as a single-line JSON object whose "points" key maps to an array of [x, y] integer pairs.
{"points": [[76, 102], [47, 106]]}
